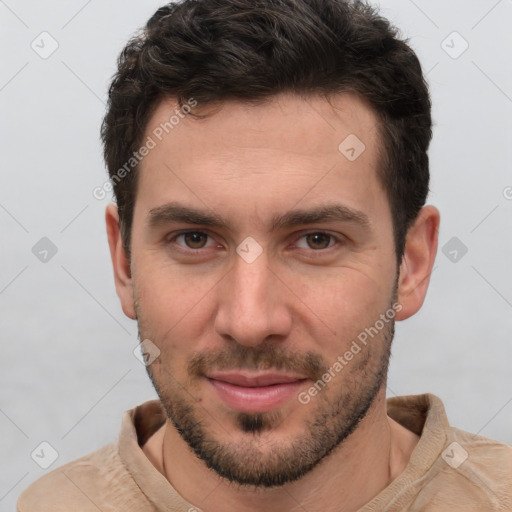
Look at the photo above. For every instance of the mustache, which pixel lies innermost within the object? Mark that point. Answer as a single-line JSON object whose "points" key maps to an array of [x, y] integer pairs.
{"points": [[239, 357]]}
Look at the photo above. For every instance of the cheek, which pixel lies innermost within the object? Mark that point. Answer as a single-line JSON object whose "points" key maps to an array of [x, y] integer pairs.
{"points": [[173, 306], [342, 305]]}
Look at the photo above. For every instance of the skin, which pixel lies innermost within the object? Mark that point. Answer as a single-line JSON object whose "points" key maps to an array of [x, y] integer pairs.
{"points": [[248, 163]]}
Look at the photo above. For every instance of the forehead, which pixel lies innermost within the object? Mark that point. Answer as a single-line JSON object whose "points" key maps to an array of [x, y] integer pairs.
{"points": [[318, 122], [266, 156]]}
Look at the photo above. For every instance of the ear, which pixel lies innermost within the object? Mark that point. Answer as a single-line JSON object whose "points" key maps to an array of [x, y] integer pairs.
{"points": [[120, 262], [417, 262]]}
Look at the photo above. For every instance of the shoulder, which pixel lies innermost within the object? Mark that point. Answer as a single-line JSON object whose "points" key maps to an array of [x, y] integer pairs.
{"points": [[473, 470], [98, 481], [451, 469], [482, 455]]}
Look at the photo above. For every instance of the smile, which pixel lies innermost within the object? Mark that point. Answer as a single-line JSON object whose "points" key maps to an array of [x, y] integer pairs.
{"points": [[255, 393]]}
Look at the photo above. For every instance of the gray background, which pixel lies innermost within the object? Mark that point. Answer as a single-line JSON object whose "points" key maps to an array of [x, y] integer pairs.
{"points": [[68, 371]]}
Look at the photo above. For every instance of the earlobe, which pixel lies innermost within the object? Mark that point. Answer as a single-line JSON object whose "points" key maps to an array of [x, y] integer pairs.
{"points": [[418, 261], [120, 262]]}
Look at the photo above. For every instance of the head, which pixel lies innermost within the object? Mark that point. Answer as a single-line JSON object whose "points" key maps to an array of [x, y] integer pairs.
{"points": [[273, 222]]}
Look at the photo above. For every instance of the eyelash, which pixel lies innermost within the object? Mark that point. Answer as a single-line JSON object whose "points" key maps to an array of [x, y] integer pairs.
{"points": [[333, 238]]}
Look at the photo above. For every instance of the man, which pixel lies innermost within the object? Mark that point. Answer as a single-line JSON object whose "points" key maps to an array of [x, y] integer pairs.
{"points": [[269, 161]]}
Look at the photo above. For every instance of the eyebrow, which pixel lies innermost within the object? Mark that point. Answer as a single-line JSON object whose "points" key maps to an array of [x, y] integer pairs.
{"points": [[327, 213], [175, 213]]}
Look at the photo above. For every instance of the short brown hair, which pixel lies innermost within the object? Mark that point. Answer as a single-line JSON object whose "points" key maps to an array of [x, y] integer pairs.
{"points": [[214, 50]]}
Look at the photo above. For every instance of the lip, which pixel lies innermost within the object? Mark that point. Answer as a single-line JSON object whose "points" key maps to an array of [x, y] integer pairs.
{"points": [[252, 380], [255, 392]]}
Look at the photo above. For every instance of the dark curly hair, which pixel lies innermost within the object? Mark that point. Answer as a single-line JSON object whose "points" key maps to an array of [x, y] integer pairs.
{"points": [[214, 50]]}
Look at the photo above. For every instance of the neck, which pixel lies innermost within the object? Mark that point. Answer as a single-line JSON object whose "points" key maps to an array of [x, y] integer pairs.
{"points": [[355, 472]]}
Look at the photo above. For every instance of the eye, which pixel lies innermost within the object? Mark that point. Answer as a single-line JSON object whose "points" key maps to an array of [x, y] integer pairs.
{"points": [[317, 240], [193, 240]]}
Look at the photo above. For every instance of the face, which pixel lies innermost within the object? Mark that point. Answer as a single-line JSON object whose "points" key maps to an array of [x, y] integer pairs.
{"points": [[263, 269]]}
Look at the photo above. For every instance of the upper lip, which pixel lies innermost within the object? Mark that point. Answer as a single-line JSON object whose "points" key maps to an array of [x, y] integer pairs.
{"points": [[254, 380]]}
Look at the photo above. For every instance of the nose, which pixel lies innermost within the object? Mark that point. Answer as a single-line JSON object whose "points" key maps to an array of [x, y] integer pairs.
{"points": [[253, 303]]}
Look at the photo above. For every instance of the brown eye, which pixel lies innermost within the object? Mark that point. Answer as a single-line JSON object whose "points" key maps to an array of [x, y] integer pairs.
{"points": [[318, 240], [195, 239]]}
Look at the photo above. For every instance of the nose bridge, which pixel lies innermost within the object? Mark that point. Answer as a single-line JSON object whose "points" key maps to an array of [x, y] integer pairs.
{"points": [[250, 308], [251, 283]]}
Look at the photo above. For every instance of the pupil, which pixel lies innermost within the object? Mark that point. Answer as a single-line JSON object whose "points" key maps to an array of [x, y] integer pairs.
{"points": [[194, 240], [316, 238]]}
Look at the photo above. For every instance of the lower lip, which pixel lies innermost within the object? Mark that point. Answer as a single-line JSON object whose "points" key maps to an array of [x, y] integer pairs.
{"points": [[255, 399]]}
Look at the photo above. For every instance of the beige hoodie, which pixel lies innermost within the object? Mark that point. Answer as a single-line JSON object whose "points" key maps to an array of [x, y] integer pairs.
{"points": [[449, 470]]}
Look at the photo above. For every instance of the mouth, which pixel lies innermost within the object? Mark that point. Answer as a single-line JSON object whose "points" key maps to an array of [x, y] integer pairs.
{"points": [[255, 392]]}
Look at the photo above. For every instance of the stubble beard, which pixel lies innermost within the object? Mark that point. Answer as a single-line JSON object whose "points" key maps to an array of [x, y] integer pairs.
{"points": [[335, 413]]}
